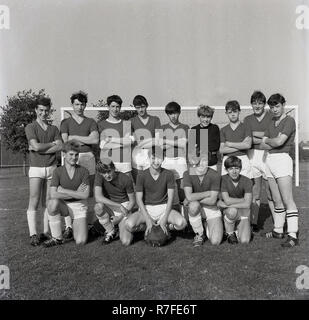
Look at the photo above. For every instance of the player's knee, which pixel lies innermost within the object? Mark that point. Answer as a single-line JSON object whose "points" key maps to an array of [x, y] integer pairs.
{"points": [[129, 225], [194, 208], [215, 240], [52, 206], [81, 240], [126, 241], [98, 209], [244, 239], [181, 223], [231, 213]]}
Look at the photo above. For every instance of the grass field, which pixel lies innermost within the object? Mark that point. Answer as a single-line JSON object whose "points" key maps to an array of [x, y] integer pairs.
{"points": [[259, 270]]}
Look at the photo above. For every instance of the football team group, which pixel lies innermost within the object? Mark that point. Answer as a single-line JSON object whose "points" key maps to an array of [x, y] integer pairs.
{"points": [[149, 175]]}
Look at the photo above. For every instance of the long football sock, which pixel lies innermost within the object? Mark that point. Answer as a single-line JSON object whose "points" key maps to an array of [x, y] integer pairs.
{"points": [[196, 224], [31, 218], [279, 219], [292, 221], [68, 222], [229, 225], [106, 223], [55, 226], [45, 220]]}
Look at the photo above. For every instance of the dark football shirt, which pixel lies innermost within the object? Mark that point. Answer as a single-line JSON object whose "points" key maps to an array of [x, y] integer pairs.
{"points": [[35, 131], [170, 133], [211, 181], [116, 190], [237, 135], [213, 133], [61, 178], [244, 186], [73, 128], [254, 124], [286, 126], [155, 191]]}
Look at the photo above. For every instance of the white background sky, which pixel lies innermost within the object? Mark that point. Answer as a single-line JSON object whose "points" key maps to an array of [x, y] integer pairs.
{"points": [[191, 51]]}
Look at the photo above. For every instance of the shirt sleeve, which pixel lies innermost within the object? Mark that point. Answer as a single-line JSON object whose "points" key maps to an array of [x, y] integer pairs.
{"points": [[98, 180], [93, 126], [289, 127], [222, 135], [216, 138], [30, 134], [57, 135], [85, 177], [129, 186], [267, 133], [55, 181], [224, 184], [170, 180], [248, 132], [157, 123], [140, 183], [248, 186], [64, 128], [186, 180], [215, 182]]}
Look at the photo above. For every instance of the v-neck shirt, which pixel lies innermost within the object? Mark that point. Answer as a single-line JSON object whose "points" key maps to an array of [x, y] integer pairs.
{"points": [[243, 186], [175, 133], [35, 131], [237, 135], [286, 126], [61, 178], [210, 182], [254, 124], [155, 191], [84, 129]]}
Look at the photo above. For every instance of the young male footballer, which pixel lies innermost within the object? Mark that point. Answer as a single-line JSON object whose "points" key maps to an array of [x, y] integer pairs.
{"points": [[235, 138], [279, 140], [175, 138], [202, 187], [206, 132], [144, 128], [44, 141], [258, 122], [84, 130], [155, 189], [115, 137], [69, 191], [236, 193], [115, 198]]}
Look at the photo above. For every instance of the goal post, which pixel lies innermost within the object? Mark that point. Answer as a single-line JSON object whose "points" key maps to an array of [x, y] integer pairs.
{"points": [[189, 117]]}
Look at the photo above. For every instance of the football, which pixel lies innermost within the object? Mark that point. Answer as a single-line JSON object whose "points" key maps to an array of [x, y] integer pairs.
{"points": [[156, 237]]}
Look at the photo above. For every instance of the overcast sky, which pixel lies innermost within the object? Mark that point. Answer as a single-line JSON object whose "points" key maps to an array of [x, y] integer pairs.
{"points": [[190, 51]]}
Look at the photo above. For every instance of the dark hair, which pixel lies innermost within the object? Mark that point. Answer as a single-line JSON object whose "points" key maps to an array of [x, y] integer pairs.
{"points": [[113, 98], [276, 98], [172, 107], [232, 105], [71, 145], [105, 165], [205, 111], [258, 96], [156, 151], [80, 96], [140, 100], [43, 101], [232, 161]]}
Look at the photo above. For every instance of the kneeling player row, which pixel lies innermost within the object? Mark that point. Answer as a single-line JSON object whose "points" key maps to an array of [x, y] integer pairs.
{"points": [[154, 193]]}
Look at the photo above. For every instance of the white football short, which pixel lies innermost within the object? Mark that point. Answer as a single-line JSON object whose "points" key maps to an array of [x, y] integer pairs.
{"points": [[140, 159], [258, 163], [245, 164], [156, 212], [177, 165], [210, 212], [87, 160], [41, 172], [77, 209], [279, 165]]}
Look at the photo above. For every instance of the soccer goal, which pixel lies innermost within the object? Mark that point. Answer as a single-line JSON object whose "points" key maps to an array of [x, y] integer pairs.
{"points": [[189, 117]]}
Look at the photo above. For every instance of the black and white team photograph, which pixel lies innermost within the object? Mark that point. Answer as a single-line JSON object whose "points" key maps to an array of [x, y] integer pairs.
{"points": [[155, 151]]}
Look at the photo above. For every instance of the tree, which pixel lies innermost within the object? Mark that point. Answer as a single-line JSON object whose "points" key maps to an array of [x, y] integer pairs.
{"points": [[19, 111]]}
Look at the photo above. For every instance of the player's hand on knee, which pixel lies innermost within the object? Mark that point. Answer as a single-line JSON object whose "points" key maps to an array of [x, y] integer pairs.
{"points": [[163, 223], [221, 204], [124, 210], [149, 225], [82, 187]]}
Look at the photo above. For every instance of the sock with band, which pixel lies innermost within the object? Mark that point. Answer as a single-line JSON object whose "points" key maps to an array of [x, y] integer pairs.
{"points": [[55, 226], [196, 224], [279, 219], [292, 221]]}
